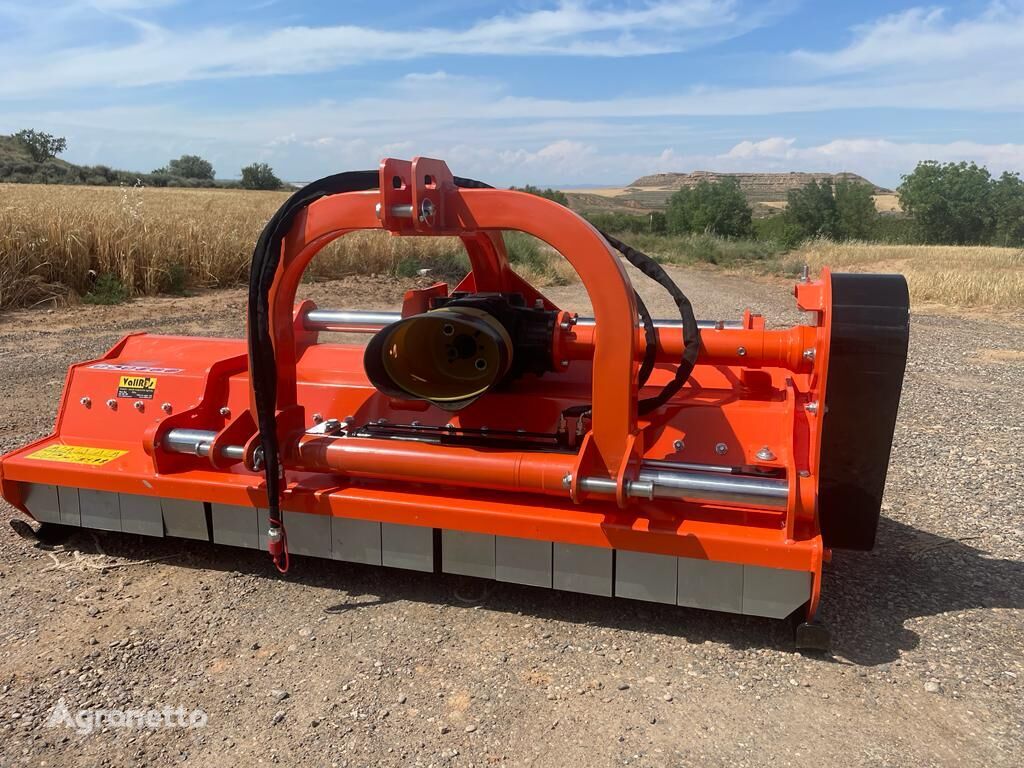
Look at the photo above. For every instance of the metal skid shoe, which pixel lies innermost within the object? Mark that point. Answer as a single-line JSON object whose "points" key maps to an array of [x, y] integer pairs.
{"points": [[487, 432], [47, 534], [812, 636]]}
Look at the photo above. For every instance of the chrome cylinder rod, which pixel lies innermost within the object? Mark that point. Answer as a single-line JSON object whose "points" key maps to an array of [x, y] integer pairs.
{"points": [[698, 487], [371, 321], [198, 443], [654, 482]]}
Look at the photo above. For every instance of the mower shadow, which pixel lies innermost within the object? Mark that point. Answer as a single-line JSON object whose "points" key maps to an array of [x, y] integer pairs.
{"points": [[868, 597]]}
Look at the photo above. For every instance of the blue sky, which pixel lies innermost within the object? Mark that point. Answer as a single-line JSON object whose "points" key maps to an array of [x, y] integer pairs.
{"points": [[541, 91]]}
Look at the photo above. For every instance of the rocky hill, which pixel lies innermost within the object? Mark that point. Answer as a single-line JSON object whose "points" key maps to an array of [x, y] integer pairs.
{"points": [[758, 187]]}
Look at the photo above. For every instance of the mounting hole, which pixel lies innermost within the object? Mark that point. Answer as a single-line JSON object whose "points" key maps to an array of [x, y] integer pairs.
{"points": [[428, 180], [396, 182], [448, 329], [480, 364]]}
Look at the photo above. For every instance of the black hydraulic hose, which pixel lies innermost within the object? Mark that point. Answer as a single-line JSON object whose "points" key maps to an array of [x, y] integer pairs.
{"points": [[691, 333], [650, 339], [262, 363]]}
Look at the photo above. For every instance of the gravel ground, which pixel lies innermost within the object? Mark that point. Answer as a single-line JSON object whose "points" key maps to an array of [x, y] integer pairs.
{"points": [[355, 666]]}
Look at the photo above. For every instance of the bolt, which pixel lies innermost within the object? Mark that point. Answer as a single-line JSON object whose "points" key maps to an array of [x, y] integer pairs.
{"points": [[112, 404], [331, 426], [804, 473], [765, 454], [86, 401], [805, 274], [416, 423], [376, 210], [679, 445], [567, 480], [257, 458], [349, 419], [426, 210], [449, 425], [166, 407], [741, 351], [809, 354], [721, 449], [317, 418], [225, 412], [565, 363], [569, 322], [811, 407], [139, 405], [382, 422]]}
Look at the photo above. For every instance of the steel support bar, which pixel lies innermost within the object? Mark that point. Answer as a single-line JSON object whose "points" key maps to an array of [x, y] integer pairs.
{"points": [[371, 321], [547, 473]]}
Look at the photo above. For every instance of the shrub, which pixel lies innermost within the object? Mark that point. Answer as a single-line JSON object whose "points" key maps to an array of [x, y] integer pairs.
{"points": [[718, 208], [952, 203], [856, 214], [551, 194], [191, 167], [108, 289], [41, 146], [259, 176]]}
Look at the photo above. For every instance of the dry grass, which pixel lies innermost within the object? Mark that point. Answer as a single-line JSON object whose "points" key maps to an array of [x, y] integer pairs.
{"points": [[955, 276], [160, 240]]}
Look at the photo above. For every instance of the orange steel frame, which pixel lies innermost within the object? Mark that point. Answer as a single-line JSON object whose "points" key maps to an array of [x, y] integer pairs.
{"points": [[751, 387]]}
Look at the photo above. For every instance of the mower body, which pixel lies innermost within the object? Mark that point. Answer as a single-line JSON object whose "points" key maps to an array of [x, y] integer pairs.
{"points": [[727, 497]]}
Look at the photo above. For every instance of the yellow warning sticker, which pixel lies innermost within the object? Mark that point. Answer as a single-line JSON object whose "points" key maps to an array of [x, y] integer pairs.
{"points": [[136, 387], [77, 454]]}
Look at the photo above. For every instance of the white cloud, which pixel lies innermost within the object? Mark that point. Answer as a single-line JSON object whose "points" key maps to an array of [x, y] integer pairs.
{"points": [[923, 38], [571, 28]]}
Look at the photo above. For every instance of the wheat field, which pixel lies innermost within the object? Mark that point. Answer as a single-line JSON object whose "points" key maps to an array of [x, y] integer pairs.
{"points": [[956, 276], [54, 241], [154, 240]]}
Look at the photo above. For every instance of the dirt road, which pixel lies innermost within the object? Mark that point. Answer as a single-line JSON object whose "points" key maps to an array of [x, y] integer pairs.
{"points": [[356, 666]]}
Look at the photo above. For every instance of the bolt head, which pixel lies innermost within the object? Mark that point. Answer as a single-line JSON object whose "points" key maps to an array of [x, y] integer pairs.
{"points": [[86, 401], [741, 351], [332, 425], [166, 407], [809, 353], [139, 405], [721, 449], [225, 412], [317, 418], [765, 454], [112, 404], [811, 407], [679, 445]]}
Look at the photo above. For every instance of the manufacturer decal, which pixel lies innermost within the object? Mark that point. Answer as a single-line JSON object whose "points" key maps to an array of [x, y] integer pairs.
{"points": [[77, 454], [136, 387]]}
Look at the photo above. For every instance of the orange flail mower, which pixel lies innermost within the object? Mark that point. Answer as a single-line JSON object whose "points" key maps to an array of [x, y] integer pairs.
{"points": [[486, 432]]}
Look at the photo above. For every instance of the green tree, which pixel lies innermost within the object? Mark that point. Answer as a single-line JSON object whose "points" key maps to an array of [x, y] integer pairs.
{"points": [[190, 167], [718, 208], [41, 146], [811, 211], [551, 194], [1008, 201], [260, 176], [856, 215], [951, 203]]}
